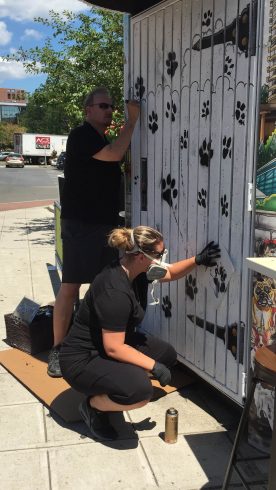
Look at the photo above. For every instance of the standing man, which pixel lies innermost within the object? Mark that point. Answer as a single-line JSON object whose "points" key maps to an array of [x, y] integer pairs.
{"points": [[89, 205]]}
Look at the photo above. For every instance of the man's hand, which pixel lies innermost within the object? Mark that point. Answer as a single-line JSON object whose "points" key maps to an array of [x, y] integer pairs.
{"points": [[133, 109], [208, 255], [161, 373]]}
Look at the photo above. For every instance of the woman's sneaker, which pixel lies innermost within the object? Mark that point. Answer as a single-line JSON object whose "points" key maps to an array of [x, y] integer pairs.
{"points": [[97, 422], [53, 363]]}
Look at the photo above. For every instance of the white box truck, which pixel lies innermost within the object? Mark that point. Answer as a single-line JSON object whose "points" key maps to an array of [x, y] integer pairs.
{"points": [[39, 148]]}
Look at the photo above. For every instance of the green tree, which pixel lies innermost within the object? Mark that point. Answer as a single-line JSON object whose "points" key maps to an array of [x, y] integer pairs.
{"points": [[264, 94], [41, 116], [89, 53], [7, 131]]}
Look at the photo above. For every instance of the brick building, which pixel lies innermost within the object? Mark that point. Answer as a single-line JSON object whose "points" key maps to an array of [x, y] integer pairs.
{"points": [[12, 102]]}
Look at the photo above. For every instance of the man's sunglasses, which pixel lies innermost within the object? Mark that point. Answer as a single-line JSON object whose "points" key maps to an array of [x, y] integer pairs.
{"points": [[104, 105]]}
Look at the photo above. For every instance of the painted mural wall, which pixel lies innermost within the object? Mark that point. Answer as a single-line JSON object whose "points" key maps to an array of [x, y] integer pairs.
{"points": [[264, 288], [194, 68]]}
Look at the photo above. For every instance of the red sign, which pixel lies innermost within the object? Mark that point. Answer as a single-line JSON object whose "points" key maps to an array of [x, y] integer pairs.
{"points": [[43, 142]]}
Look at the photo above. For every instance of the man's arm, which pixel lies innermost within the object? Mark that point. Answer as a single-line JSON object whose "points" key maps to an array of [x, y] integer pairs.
{"points": [[115, 151]]}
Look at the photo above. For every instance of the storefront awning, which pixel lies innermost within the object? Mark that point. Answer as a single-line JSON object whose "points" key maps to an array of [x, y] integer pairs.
{"points": [[130, 7]]}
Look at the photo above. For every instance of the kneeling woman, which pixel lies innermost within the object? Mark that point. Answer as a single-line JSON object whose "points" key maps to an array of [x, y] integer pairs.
{"points": [[103, 356]]}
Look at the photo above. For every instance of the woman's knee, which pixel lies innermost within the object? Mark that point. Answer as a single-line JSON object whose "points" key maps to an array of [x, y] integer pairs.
{"points": [[136, 393]]}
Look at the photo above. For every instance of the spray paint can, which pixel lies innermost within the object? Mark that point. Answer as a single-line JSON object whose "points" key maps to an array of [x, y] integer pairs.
{"points": [[171, 426]]}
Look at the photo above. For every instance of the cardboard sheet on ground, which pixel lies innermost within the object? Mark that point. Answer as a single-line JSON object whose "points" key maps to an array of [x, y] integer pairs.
{"points": [[55, 393]]}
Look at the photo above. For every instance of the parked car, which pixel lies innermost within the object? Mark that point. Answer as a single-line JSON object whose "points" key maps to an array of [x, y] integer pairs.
{"points": [[61, 160], [3, 155], [53, 162], [14, 160]]}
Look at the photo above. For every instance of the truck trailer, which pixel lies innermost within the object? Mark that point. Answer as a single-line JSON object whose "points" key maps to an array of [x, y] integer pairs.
{"points": [[39, 148]]}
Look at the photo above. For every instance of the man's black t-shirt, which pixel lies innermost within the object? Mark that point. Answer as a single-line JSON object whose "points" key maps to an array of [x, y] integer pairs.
{"points": [[112, 303], [91, 189]]}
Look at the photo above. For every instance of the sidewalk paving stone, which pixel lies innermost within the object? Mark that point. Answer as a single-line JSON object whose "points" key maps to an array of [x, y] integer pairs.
{"points": [[23, 426], [9, 241], [192, 462], [191, 418], [12, 392], [24, 470], [58, 431], [98, 466]]}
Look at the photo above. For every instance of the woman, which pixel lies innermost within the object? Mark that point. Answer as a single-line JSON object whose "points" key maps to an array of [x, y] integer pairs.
{"points": [[103, 356]]}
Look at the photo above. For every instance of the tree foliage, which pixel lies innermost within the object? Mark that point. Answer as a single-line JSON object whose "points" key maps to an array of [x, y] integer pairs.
{"points": [[267, 151], [7, 131], [44, 116], [88, 53]]}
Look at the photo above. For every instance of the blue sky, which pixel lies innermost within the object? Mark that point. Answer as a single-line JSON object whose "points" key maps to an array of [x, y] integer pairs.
{"points": [[18, 29]]}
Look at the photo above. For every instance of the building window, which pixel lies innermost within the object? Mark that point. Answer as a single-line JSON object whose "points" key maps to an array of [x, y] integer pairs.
{"points": [[10, 113]]}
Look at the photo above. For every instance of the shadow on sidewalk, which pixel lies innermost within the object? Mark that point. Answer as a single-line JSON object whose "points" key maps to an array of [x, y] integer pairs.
{"points": [[44, 226], [127, 438], [54, 277]]}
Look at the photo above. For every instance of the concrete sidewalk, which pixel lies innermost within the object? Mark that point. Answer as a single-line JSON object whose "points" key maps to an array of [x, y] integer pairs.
{"points": [[39, 451]]}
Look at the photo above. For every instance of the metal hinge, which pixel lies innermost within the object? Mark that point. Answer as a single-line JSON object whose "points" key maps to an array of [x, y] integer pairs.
{"points": [[249, 196], [244, 386]]}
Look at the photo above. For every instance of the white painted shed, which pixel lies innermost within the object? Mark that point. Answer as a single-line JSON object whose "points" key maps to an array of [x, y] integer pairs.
{"points": [[196, 65]]}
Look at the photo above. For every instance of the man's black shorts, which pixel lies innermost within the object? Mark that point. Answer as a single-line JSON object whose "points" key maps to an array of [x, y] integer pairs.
{"points": [[85, 250]]}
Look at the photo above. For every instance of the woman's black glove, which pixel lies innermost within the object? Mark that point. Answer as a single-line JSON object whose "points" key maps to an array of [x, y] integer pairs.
{"points": [[208, 255], [161, 373]]}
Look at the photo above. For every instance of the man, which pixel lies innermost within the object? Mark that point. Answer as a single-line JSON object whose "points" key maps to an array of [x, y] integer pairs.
{"points": [[89, 205]]}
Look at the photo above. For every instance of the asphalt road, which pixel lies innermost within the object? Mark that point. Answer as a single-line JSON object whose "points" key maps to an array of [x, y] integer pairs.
{"points": [[31, 183]]}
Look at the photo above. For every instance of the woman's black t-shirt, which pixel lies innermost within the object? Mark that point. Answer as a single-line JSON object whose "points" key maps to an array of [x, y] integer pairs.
{"points": [[111, 303]]}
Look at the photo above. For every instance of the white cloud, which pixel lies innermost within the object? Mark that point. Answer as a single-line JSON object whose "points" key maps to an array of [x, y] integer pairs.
{"points": [[12, 70], [32, 33], [28, 9], [5, 35]]}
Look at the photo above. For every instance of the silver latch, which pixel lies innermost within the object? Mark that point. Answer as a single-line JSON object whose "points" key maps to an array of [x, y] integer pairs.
{"points": [[249, 196], [244, 386]]}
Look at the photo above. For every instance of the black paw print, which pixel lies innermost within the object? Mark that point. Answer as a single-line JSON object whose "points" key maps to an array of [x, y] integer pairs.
{"points": [[226, 147], [205, 109], [169, 192], [171, 63], [191, 289], [240, 114], [228, 65], [153, 118], [167, 306], [219, 279], [184, 139], [140, 89], [136, 179], [207, 16], [224, 206], [205, 153], [171, 111], [201, 198]]}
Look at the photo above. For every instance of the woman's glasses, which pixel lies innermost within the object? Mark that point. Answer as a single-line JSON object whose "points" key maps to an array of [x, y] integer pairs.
{"points": [[154, 253], [104, 105]]}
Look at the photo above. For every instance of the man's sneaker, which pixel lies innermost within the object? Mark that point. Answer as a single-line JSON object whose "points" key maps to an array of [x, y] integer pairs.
{"points": [[53, 363], [98, 422]]}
